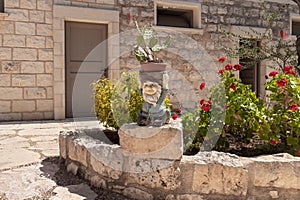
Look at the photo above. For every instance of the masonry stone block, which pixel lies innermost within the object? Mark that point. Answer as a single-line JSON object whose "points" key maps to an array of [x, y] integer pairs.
{"points": [[76, 151], [36, 41], [45, 54], [23, 80], [5, 106], [10, 116], [48, 17], [44, 80], [5, 79], [219, 173], [17, 14], [23, 106], [32, 116], [49, 92], [14, 41], [28, 4], [25, 28], [11, 93], [44, 29], [49, 115], [32, 67], [24, 54], [35, 93], [275, 171], [44, 105], [7, 27], [11, 67], [12, 3], [5, 53], [49, 67], [49, 42], [44, 4], [37, 16]]}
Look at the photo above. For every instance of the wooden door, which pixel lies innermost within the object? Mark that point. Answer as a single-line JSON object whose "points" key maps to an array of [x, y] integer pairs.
{"points": [[84, 65]]}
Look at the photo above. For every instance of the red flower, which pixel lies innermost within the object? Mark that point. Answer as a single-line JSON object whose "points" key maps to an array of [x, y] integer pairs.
{"points": [[174, 116], [273, 141], [273, 73], [222, 59], [221, 71], [179, 110], [287, 68], [228, 67], [237, 66], [209, 101], [298, 152], [282, 82], [202, 85], [293, 72], [283, 34], [294, 107], [233, 86], [202, 101], [205, 107]]}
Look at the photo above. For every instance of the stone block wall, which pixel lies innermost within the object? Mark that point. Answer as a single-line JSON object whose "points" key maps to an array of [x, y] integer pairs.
{"points": [[28, 69], [207, 175], [26, 51]]}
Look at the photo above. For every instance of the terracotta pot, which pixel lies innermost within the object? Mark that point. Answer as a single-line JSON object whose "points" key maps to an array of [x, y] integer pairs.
{"points": [[153, 67]]}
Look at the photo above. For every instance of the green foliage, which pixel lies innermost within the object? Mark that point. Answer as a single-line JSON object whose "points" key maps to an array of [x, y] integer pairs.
{"points": [[103, 90], [283, 118], [273, 45], [117, 104], [245, 116], [148, 43]]}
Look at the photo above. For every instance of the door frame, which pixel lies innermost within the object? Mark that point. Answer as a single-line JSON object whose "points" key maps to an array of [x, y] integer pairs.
{"points": [[61, 14]]}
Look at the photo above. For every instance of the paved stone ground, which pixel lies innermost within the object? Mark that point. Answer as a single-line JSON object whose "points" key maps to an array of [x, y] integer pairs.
{"points": [[30, 168]]}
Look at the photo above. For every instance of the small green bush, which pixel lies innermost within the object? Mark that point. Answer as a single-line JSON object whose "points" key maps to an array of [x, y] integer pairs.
{"points": [[284, 114], [245, 115], [116, 104]]}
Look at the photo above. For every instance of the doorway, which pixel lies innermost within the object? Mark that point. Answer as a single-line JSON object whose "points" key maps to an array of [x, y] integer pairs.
{"points": [[86, 62]]}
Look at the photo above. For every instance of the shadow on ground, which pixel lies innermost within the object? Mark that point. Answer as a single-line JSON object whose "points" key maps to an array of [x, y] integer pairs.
{"points": [[54, 169]]}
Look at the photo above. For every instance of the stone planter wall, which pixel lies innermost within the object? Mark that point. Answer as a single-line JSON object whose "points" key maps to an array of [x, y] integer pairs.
{"points": [[207, 175]]}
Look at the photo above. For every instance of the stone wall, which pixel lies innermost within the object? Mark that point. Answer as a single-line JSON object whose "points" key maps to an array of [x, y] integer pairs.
{"points": [[27, 48], [26, 79], [207, 175]]}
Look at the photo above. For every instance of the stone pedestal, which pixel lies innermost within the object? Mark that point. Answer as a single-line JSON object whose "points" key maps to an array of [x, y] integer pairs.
{"points": [[165, 142]]}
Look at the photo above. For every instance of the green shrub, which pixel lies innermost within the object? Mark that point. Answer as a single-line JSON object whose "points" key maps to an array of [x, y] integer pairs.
{"points": [[284, 115], [245, 115], [117, 104]]}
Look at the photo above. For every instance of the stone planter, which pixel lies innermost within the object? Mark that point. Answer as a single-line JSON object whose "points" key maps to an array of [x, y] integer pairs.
{"points": [[207, 175]]}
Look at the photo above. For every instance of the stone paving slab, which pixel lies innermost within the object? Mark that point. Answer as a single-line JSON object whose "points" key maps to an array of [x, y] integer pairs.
{"points": [[24, 146]]}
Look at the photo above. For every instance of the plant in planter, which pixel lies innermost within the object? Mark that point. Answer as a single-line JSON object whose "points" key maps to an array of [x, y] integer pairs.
{"points": [[147, 47]]}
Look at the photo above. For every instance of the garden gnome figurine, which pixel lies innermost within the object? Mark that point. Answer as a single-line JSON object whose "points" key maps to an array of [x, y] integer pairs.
{"points": [[154, 88]]}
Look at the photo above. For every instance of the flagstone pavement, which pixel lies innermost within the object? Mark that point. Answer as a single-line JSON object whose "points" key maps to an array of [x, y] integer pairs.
{"points": [[30, 168]]}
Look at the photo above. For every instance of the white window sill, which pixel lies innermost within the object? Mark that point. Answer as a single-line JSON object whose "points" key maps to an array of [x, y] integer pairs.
{"points": [[3, 16], [180, 29]]}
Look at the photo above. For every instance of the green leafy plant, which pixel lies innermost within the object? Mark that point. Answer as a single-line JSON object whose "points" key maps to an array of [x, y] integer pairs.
{"points": [[245, 117], [148, 44], [284, 115], [116, 104], [273, 45]]}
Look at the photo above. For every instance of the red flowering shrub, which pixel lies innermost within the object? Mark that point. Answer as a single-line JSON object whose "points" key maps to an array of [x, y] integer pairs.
{"points": [[284, 115], [245, 113]]}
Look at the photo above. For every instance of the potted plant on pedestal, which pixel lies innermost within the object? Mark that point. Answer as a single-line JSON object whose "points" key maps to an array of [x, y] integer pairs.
{"points": [[148, 45]]}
